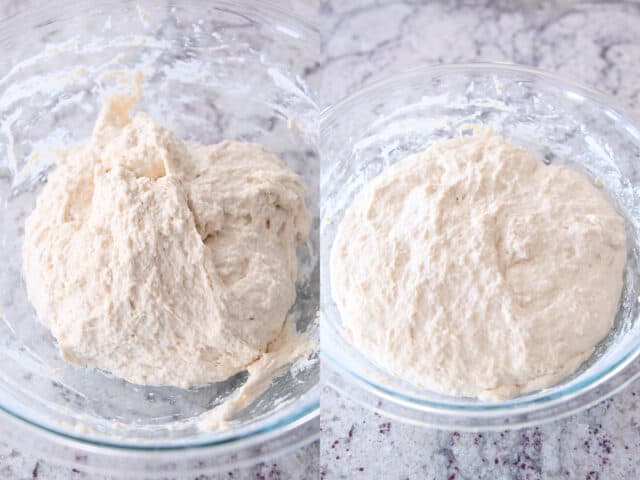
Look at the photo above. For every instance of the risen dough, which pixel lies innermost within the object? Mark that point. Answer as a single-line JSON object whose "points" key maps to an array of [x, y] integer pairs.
{"points": [[161, 261], [474, 269]]}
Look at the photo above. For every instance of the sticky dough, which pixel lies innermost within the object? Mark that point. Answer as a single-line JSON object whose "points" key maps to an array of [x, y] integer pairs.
{"points": [[474, 269], [161, 261]]}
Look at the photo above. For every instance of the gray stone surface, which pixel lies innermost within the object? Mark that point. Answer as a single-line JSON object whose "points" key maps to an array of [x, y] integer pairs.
{"points": [[599, 444], [16, 463], [595, 43]]}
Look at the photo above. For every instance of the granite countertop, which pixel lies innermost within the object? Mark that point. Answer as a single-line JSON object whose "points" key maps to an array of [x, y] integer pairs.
{"points": [[597, 44], [16, 463]]}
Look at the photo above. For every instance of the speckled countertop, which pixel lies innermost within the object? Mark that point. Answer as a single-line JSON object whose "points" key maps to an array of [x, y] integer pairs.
{"points": [[598, 44], [16, 463]]}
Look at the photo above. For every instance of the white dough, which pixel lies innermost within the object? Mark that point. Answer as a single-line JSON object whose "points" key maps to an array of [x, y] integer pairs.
{"points": [[161, 261], [474, 269]]}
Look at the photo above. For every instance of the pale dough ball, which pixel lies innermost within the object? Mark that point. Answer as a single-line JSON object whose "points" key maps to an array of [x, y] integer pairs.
{"points": [[160, 261], [474, 269]]}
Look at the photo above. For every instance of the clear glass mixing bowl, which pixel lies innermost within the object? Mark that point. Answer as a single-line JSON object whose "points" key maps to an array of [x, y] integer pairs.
{"points": [[564, 123], [212, 70]]}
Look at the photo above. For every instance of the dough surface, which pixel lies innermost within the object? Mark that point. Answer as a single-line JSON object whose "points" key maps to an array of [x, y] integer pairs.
{"points": [[161, 261], [474, 269]]}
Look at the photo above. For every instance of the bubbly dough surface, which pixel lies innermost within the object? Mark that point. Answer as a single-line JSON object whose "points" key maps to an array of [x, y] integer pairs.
{"points": [[161, 261], [474, 269]]}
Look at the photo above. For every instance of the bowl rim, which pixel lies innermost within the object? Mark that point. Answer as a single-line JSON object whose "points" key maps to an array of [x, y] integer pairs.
{"points": [[123, 462], [296, 415], [542, 407], [607, 100]]}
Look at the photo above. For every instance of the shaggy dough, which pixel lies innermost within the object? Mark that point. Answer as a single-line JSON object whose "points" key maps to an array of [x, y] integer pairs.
{"points": [[474, 269], [161, 261]]}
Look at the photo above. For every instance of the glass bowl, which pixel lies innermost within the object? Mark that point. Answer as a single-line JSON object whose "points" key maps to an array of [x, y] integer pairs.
{"points": [[563, 123], [212, 70]]}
